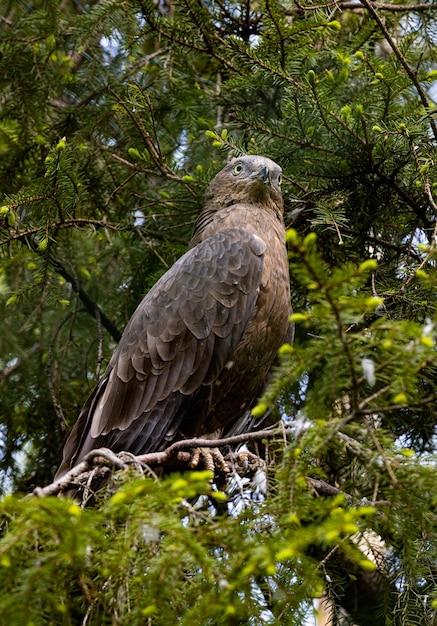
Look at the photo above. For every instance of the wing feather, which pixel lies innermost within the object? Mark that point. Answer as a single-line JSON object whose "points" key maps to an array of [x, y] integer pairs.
{"points": [[177, 342]]}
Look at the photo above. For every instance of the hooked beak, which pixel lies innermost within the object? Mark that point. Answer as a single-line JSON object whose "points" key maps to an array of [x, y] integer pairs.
{"points": [[263, 175]]}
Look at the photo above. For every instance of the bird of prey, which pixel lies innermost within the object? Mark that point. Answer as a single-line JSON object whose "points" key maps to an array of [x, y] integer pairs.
{"points": [[195, 355]]}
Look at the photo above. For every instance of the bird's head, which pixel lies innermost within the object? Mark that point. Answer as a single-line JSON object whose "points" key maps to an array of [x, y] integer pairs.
{"points": [[248, 179]]}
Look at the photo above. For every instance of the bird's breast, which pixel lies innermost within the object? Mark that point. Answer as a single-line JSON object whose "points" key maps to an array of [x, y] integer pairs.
{"points": [[243, 377]]}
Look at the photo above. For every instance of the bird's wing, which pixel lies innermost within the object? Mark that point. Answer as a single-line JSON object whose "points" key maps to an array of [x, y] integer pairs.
{"points": [[178, 340]]}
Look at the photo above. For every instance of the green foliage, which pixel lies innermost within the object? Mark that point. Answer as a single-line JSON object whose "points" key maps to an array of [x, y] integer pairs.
{"points": [[384, 366], [113, 118], [148, 553]]}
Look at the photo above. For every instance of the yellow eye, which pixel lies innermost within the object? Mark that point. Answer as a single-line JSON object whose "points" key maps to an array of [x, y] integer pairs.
{"points": [[280, 179], [238, 168]]}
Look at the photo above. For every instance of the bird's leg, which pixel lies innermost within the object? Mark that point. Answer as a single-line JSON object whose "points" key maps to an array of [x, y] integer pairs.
{"points": [[210, 458]]}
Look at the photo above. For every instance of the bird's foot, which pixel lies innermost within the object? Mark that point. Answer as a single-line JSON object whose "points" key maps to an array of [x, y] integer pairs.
{"points": [[245, 462], [209, 458]]}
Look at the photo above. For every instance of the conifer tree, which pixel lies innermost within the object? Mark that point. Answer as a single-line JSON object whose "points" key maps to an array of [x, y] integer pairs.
{"points": [[114, 115]]}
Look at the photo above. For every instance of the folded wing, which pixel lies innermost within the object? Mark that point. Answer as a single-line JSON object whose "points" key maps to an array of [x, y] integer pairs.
{"points": [[174, 347]]}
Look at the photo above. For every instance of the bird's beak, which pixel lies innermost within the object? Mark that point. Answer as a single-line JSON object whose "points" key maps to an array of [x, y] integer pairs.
{"points": [[263, 175]]}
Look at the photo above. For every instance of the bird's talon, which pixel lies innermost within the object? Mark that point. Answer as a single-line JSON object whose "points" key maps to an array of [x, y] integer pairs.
{"points": [[195, 458], [210, 458], [248, 460]]}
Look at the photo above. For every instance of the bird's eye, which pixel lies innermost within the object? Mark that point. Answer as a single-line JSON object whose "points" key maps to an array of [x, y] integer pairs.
{"points": [[280, 179], [238, 168]]}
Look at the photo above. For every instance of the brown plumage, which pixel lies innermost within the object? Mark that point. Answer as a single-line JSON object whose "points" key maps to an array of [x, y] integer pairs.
{"points": [[195, 354]]}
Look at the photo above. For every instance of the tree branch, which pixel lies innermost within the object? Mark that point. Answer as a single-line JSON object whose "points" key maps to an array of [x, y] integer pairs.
{"points": [[10, 369], [177, 452], [383, 6], [370, 6]]}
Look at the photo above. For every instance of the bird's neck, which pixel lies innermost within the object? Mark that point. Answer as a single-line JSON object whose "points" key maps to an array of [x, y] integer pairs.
{"points": [[253, 217]]}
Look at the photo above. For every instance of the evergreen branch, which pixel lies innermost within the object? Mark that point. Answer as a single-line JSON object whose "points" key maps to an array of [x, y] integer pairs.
{"points": [[341, 332], [384, 6], [145, 60], [68, 223], [374, 395], [247, 25], [266, 66], [49, 372], [431, 400], [380, 449], [119, 187], [90, 305], [201, 18], [338, 120], [303, 143], [418, 208], [278, 30], [407, 67], [65, 101], [153, 150], [154, 25], [431, 238], [185, 43], [322, 488], [167, 172], [75, 222]]}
